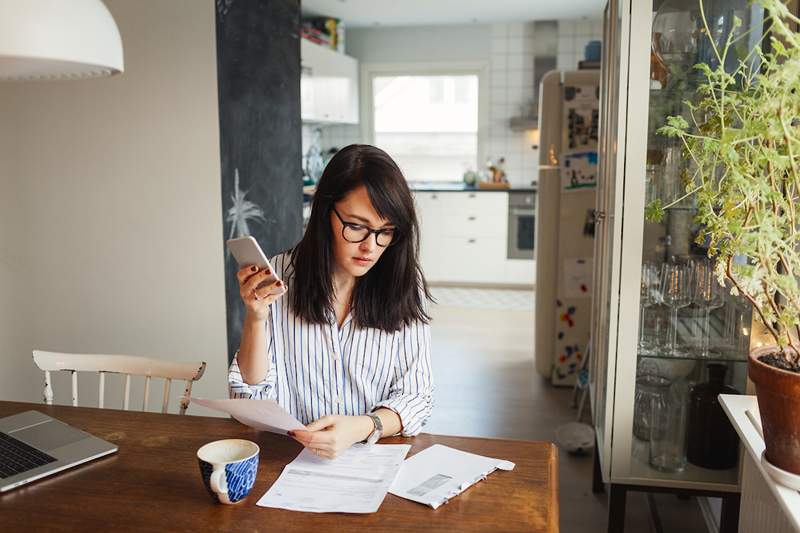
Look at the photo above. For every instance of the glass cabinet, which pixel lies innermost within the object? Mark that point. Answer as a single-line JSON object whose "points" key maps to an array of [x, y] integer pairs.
{"points": [[666, 337]]}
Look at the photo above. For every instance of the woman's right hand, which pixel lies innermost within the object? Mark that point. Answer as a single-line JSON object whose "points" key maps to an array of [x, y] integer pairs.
{"points": [[258, 299]]}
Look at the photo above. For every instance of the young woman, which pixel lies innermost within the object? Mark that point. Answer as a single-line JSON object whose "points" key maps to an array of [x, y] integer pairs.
{"points": [[347, 349]]}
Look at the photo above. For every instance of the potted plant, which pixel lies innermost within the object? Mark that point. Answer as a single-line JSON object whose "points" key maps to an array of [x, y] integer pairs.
{"points": [[741, 136]]}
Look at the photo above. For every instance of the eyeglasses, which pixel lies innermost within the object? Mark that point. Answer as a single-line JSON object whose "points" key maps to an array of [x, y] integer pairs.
{"points": [[359, 233]]}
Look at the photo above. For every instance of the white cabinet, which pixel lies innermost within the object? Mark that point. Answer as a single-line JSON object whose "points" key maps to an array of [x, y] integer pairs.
{"points": [[464, 239], [328, 85]]}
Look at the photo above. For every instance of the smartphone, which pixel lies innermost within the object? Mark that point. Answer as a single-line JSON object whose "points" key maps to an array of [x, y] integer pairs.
{"points": [[247, 253]]}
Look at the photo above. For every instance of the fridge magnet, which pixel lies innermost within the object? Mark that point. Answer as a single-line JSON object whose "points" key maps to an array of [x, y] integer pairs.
{"points": [[578, 277], [579, 171]]}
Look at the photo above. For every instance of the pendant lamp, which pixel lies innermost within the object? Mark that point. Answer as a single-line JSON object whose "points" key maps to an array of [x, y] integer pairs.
{"points": [[57, 40]]}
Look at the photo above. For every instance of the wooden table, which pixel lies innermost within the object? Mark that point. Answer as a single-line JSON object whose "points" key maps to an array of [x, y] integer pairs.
{"points": [[153, 483]]}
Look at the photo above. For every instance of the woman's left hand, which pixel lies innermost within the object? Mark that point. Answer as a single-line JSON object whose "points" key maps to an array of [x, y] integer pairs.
{"points": [[331, 435]]}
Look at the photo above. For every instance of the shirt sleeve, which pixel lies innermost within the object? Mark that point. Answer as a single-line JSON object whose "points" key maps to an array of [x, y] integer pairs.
{"points": [[237, 388], [411, 390]]}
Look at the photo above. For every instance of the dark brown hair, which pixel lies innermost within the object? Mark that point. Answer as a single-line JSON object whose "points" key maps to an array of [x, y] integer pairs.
{"points": [[390, 295]]}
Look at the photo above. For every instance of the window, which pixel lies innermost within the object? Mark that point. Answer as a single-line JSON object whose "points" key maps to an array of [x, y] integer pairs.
{"points": [[427, 123]]}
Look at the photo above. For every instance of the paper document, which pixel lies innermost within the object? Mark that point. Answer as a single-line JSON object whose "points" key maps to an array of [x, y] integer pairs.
{"points": [[264, 415], [354, 482], [439, 473]]}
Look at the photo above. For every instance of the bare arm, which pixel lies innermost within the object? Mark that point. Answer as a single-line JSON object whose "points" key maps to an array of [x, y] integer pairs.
{"points": [[253, 358]]}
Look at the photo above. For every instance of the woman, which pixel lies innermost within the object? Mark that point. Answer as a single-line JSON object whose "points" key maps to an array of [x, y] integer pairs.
{"points": [[347, 349]]}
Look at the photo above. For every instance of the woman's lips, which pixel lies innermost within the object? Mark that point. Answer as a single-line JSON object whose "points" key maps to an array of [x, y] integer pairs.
{"points": [[362, 260]]}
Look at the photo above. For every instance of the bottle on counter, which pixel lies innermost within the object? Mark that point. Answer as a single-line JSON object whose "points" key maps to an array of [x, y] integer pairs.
{"points": [[712, 441]]}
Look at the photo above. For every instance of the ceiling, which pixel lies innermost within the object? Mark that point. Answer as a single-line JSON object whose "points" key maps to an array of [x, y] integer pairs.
{"points": [[356, 13]]}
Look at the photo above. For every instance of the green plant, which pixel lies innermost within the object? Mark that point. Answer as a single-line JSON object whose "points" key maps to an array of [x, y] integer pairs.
{"points": [[742, 138]]}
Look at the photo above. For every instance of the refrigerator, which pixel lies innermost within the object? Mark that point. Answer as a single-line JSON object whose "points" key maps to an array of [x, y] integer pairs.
{"points": [[568, 129]]}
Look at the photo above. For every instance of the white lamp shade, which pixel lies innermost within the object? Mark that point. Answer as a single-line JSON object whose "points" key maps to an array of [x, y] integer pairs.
{"points": [[58, 39]]}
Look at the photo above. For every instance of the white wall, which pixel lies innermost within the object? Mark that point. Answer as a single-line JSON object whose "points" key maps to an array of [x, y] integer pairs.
{"points": [[572, 38], [419, 43], [111, 217]]}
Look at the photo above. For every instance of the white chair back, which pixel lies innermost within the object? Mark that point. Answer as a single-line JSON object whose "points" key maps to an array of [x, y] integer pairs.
{"points": [[119, 364]]}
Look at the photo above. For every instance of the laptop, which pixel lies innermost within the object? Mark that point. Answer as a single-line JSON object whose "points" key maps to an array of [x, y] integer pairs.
{"points": [[34, 445]]}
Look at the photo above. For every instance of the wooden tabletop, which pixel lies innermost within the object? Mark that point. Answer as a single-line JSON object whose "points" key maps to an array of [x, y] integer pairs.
{"points": [[153, 483]]}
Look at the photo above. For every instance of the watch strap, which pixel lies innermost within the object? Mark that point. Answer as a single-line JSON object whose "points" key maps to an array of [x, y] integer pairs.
{"points": [[377, 432]]}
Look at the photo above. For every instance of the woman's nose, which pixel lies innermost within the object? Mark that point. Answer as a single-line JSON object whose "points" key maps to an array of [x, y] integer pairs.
{"points": [[368, 244]]}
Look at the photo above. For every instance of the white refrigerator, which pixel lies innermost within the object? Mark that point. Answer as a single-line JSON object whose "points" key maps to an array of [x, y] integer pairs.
{"points": [[568, 128]]}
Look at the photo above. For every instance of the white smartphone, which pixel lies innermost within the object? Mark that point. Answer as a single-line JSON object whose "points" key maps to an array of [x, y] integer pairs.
{"points": [[247, 253]]}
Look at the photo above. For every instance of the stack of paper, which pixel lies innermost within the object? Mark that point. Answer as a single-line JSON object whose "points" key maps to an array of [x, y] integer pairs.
{"points": [[439, 473], [355, 482]]}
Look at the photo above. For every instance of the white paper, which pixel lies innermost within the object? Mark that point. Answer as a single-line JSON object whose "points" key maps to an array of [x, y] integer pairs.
{"points": [[354, 482], [439, 473], [264, 415]]}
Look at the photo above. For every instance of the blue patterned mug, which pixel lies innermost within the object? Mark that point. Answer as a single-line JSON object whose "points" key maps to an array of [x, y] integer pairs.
{"points": [[229, 468]]}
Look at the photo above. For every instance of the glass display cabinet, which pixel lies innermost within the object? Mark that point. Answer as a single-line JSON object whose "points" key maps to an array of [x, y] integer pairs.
{"points": [[666, 338]]}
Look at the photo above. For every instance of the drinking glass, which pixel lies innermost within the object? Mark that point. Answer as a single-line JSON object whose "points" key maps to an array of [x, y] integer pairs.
{"points": [[650, 394], [649, 295], [676, 292], [668, 429], [707, 295]]}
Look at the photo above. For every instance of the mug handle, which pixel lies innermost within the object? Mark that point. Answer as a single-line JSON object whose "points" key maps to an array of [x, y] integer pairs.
{"points": [[218, 482]]}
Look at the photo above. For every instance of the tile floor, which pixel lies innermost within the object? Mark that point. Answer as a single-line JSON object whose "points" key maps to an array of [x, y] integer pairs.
{"points": [[486, 385]]}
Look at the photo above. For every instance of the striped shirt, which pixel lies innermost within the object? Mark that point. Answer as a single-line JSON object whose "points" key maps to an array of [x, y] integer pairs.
{"points": [[324, 369]]}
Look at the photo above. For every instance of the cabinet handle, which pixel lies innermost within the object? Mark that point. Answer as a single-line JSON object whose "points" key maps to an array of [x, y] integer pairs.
{"points": [[434, 197], [471, 241], [470, 218], [472, 195]]}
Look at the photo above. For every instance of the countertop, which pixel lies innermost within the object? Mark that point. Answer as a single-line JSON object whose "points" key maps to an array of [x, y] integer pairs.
{"points": [[424, 186]]}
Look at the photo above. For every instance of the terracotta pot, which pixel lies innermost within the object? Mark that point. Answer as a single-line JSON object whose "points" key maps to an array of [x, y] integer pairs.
{"points": [[778, 393]]}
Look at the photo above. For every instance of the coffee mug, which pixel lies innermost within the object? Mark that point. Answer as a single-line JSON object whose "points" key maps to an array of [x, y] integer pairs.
{"points": [[229, 468]]}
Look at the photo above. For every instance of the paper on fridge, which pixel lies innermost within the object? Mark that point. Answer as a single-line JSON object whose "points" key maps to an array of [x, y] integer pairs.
{"points": [[439, 473], [264, 415], [355, 482]]}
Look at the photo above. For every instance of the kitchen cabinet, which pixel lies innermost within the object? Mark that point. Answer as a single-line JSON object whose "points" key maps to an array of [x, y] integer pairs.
{"points": [[463, 239], [328, 85], [655, 329]]}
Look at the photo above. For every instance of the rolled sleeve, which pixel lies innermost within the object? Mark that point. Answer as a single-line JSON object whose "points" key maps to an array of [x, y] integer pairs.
{"points": [[237, 388], [411, 391]]}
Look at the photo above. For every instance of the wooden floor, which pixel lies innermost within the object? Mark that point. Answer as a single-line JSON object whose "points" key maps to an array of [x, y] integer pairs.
{"points": [[486, 385]]}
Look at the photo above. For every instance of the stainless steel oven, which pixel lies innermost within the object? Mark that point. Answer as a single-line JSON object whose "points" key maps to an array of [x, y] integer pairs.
{"points": [[521, 224]]}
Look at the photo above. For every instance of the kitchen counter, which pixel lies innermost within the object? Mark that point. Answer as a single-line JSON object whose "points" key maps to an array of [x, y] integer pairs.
{"points": [[424, 186]]}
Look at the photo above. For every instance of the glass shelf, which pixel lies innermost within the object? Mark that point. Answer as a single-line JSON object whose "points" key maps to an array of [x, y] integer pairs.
{"points": [[640, 468], [712, 358]]}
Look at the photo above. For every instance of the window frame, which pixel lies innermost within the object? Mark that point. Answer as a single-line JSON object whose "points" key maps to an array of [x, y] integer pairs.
{"points": [[479, 68]]}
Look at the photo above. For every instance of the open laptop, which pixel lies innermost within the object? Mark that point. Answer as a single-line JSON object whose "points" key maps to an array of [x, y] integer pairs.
{"points": [[34, 445]]}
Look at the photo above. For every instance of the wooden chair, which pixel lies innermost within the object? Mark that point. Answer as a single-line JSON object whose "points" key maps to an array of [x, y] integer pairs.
{"points": [[119, 364]]}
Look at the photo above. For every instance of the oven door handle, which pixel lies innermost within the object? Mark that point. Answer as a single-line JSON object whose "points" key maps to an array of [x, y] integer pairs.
{"points": [[522, 212]]}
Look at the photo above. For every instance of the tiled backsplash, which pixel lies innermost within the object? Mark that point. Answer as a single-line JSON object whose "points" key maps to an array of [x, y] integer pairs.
{"points": [[510, 90]]}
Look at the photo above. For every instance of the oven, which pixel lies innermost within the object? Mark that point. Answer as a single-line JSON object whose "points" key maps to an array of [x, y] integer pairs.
{"points": [[521, 224]]}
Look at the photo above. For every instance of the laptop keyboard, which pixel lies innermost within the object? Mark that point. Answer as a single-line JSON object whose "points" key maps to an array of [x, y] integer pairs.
{"points": [[17, 457]]}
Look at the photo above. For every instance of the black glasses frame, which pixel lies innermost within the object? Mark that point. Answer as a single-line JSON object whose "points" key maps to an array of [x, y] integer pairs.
{"points": [[361, 227]]}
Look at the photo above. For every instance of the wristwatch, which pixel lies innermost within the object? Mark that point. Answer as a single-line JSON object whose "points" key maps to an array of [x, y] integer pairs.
{"points": [[377, 432]]}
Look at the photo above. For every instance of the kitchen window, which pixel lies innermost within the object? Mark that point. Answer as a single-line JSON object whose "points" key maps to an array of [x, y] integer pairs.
{"points": [[429, 122]]}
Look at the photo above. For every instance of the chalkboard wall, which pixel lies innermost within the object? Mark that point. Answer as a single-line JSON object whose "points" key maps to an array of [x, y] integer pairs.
{"points": [[258, 73]]}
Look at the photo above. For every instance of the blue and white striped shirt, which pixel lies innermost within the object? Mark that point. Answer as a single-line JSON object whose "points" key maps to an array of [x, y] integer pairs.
{"points": [[322, 369]]}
